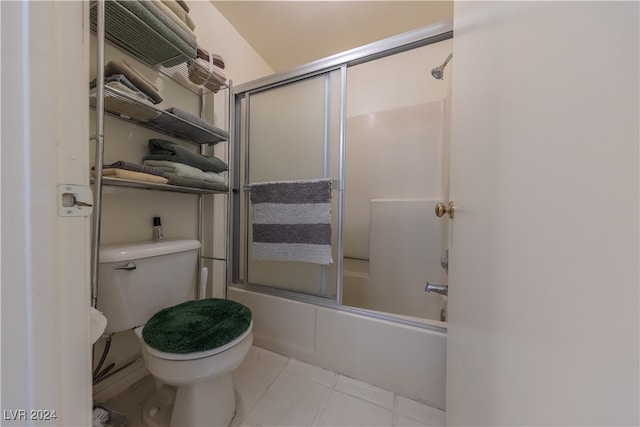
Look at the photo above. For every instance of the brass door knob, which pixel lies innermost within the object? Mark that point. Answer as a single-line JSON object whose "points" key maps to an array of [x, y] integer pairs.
{"points": [[441, 209]]}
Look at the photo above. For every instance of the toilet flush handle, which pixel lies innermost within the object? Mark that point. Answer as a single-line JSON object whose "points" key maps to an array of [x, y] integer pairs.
{"points": [[130, 266]]}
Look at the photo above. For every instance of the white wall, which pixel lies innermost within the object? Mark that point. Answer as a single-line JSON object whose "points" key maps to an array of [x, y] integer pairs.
{"points": [[45, 257], [127, 213]]}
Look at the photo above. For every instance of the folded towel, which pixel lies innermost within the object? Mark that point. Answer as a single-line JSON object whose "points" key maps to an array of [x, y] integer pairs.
{"points": [[133, 27], [153, 22], [167, 7], [139, 109], [137, 79], [121, 164], [166, 150], [195, 183], [192, 119], [292, 221], [168, 18], [186, 125], [183, 5], [208, 66], [123, 67], [180, 13], [125, 82], [201, 73], [206, 56], [119, 85], [134, 176], [185, 171]]}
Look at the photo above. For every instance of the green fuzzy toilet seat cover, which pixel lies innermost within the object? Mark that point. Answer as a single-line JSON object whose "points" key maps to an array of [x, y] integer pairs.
{"points": [[196, 326]]}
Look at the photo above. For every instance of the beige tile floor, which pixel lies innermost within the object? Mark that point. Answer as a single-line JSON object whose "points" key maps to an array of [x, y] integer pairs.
{"points": [[274, 390]]}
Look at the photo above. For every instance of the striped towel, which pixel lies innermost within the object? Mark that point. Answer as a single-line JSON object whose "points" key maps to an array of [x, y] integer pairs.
{"points": [[292, 221]]}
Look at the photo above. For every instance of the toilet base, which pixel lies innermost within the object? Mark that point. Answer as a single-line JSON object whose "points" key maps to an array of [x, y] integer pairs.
{"points": [[158, 407], [208, 403]]}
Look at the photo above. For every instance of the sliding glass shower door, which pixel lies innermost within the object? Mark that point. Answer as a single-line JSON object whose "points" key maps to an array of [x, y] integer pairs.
{"points": [[290, 132]]}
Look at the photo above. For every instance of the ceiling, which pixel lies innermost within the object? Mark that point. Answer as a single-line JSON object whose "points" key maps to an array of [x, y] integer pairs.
{"points": [[291, 33]]}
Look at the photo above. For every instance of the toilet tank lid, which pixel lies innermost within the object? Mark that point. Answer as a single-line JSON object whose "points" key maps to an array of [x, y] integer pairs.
{"points": [[147, 249]]}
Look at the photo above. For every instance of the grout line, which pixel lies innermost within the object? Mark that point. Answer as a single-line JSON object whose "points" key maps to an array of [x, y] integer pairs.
{"points": [[348, 393], [314, 380], [394, 413], [138, 387], [321, 409], [275, 378]]}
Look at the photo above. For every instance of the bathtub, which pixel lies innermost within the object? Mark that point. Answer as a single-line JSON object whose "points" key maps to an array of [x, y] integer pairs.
{"points": [[407, 299], [401, 357]]}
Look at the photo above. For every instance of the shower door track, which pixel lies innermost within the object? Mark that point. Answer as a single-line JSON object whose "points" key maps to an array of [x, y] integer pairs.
{"points": [[369, 52]]}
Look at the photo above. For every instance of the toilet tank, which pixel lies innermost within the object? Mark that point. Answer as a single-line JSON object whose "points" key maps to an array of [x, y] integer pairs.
{"points": [[137, 280]]}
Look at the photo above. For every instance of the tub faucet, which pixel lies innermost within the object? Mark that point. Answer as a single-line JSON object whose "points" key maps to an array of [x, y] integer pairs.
{"points": [[438, 289]]}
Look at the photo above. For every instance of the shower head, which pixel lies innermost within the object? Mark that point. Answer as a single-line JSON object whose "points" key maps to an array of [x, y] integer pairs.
{"points": [[438, 72]]}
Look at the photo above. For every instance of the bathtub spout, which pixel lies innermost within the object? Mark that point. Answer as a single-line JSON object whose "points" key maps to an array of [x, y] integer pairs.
{"points": [[438, 289]]}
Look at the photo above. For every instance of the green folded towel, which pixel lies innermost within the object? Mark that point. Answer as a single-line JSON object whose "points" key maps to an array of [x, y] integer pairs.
{"points": [[196, 326], [185, 125], [167, 150], [185, 34], [130, 25]]}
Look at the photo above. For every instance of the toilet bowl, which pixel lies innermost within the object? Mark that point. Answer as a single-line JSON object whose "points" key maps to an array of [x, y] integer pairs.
{"points": [[190, 347], [202, 392]]}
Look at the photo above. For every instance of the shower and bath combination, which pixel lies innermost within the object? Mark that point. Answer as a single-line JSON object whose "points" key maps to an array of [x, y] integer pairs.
{"points": [[438, 72]]}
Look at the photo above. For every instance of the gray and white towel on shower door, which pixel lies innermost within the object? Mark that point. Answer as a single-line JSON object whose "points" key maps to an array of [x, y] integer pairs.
{"points": [[292, 221]]}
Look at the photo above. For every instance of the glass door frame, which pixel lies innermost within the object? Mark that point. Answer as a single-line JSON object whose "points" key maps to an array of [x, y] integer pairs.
{"points": [[240, 97]]}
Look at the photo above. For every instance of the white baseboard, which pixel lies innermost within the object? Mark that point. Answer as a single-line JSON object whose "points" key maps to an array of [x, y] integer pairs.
{"points": [[120, 382]]}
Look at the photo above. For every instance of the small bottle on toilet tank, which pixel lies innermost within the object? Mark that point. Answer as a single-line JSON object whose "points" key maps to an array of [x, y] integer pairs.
{"points": [[157, 228]]}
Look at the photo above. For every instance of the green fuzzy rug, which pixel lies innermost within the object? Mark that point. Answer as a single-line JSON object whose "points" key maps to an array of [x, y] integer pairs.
{"points": [[196, 325]]}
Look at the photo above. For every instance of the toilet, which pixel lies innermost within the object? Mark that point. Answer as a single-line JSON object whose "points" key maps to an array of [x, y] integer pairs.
{"points": [[189, 346]]}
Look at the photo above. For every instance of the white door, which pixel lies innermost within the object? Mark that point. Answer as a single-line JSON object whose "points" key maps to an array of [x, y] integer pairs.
{"points": [[544, 301], [46, 351]]}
